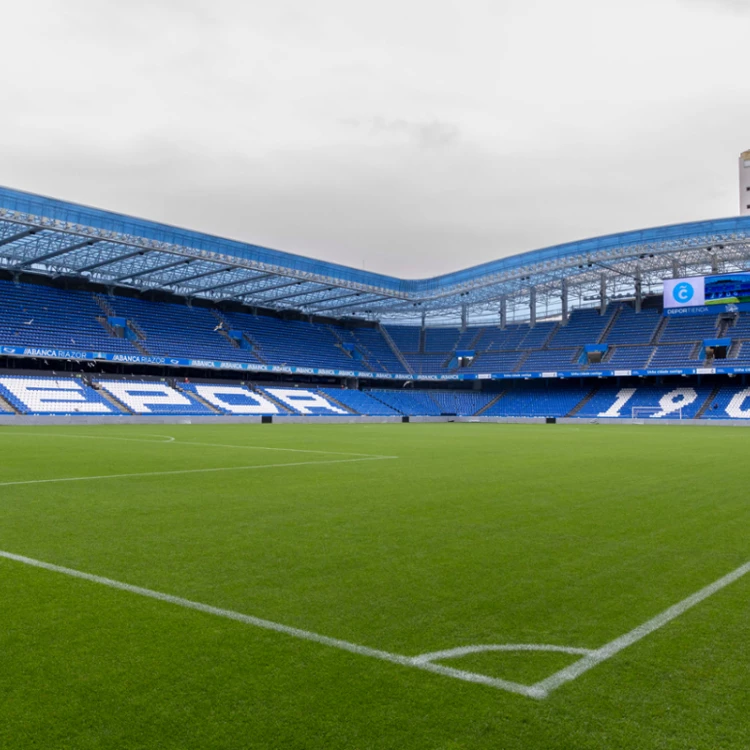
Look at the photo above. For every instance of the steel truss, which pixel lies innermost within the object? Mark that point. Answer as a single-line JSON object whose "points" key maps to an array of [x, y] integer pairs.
{"points": [[622, 266]]}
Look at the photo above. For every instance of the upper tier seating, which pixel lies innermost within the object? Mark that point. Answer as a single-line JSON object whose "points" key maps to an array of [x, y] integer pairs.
{"points": [[375, 350], [467, 339], [689, 328], [551, 359], [179, 330], [626, 357], [537, 336], [426, 364], [676, 355], [44, 317], [741, 357], [440, 340], [496, 362], [406, 338], [498, 339], [293, 342], [633, 328], [584, 327], [741, 328]]}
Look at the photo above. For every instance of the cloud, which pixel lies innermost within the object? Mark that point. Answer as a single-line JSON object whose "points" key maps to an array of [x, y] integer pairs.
{"points": [[734, 6], [427, 134], [416, 138]]}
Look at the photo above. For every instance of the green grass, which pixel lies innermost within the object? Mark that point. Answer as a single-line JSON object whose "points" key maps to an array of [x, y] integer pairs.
{"points": [[475, 534]]}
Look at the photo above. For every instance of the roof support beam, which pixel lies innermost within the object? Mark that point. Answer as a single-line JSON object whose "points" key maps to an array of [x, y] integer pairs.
{"points": [[270, 289], [332, 299], [19, 236], [233, 283], [354, 304], [54, 254], [195, 276], [301, 294], [110, 261], [147, 271]]}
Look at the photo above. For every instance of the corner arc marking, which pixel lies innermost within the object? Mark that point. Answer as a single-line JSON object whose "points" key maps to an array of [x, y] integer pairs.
{"points": [[455, 653]]}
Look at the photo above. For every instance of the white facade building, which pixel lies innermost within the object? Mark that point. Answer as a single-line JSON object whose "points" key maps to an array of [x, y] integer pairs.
{"points": [[745, 184]]}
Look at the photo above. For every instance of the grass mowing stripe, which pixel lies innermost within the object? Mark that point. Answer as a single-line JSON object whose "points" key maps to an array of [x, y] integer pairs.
{"points": [[171, 439], [618, 644], [539, 690], [193, 471], [354, 648]]}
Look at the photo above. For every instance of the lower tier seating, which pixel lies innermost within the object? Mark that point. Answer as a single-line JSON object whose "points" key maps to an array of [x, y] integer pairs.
{"points": [[120, 396]]}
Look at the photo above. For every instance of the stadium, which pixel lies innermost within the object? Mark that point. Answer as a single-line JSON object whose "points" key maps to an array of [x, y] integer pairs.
{"points": [[109, 317], [219, 531]]}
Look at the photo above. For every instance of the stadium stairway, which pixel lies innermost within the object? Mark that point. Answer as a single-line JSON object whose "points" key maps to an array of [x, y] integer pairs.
{"points": [[393, 407], [6, 406], [119, 406], [196, 397], [490, 404], [283, 408], [104, 305], [583, 402], [610, 325], [658, 331], [707, 403], [330, 397], [522, 361], [141, 348], [396, 351], [105, 324]]}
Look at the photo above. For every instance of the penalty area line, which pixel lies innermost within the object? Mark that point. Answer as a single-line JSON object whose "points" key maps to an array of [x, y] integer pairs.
{"points": [[193, 471], [305, 635]]}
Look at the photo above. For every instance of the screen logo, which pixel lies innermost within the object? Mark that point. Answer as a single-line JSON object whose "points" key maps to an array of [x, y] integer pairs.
{"points": [[690, 292], [683, 292]]}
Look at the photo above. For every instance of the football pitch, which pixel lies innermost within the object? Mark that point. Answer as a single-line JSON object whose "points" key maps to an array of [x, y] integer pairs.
{"points": [[437, 586]]}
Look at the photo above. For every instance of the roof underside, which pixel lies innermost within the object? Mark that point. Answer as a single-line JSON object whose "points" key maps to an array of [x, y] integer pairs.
{"points": [[53, 238]]}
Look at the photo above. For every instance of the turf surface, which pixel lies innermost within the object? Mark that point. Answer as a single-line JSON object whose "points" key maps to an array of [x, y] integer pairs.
{"points": [[475, 534]]}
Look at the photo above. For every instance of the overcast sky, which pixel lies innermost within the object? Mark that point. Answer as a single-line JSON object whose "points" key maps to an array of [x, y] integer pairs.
{"points": [[413, 137]]}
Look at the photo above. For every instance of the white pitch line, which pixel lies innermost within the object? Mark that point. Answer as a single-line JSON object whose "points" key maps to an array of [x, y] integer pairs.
{"points": [[613, 647], [455, 653], [306, 635], [538, 691], [190, 442], [169, 438], [290, 450], [192, 471]]}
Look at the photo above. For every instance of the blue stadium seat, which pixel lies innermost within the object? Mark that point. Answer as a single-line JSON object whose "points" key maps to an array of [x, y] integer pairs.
{"points": [[408, 402], [654, 402], [151, 397], [360, 402], [44, 395], [538, 400]]}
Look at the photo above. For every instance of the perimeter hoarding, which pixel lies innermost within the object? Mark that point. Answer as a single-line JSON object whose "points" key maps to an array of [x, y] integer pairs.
{"points": [[707, 295]]}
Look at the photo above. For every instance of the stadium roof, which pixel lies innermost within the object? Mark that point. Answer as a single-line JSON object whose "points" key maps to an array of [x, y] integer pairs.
{"points": [[59, 239]]}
